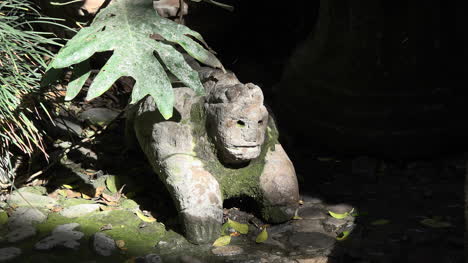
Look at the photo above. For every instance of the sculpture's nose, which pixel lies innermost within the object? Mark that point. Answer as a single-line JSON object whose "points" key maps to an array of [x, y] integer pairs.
{"points": [[250, 135]]}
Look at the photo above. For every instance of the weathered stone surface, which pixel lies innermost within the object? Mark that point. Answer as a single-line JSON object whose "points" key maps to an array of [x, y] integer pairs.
{"points": [[79, 210], [340, 208], [313, 260], [308, 225], [66, 126], [98, 116], [229, 250], [216, 147], [103, 245], [20, 233], [312, 213], [311, 242], [27, 198], [332, 224], [9, 253], [62, 235], [23, 216]]}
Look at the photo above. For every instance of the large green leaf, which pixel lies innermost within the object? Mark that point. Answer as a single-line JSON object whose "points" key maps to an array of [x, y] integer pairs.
{"points": [[126, 27]]}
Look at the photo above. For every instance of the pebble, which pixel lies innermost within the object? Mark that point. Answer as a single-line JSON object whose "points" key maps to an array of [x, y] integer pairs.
{"points": [[21, 233], [28, 199], [230, 250], [9, 253], [62, 235], [311, 242], [103, 245], [23, 216]]}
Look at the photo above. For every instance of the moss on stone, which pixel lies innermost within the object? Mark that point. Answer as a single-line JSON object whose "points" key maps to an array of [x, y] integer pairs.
{"points": [[3, 217]]}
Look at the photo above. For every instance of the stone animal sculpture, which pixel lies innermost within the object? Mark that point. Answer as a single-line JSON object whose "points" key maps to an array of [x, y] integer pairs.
{"points": [[215, 147]]}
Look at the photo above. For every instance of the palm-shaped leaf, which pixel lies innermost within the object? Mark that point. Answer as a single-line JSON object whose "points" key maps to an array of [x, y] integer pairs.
{"points": [[125, 27]]}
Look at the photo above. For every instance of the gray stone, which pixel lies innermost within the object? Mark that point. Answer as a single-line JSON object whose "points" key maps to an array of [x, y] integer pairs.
{"points": [[332, 224], [63, 236], [308, 225], [103, 245], [23, 216], [79, 210], [340, 208], [230, 250], [232, 128], [311, 242], [67, 126], [9, 253], [20, 233], [27, 199], [153, 258], [312, 213], [98, 116]]}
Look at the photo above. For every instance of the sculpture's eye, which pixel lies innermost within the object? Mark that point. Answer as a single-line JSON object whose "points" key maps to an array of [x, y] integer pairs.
{"points": [[260, 122], [240, 123]]}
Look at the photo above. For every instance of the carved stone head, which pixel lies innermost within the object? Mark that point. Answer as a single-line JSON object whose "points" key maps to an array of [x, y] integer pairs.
{"points": [[237, 121]]}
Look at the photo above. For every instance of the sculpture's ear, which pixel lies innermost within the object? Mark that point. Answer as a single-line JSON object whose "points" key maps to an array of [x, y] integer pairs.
{"points": [[234, 92], [255, 93]]}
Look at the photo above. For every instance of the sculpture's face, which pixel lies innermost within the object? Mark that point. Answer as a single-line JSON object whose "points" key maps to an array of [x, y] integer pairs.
{"points": [[237, 121]]}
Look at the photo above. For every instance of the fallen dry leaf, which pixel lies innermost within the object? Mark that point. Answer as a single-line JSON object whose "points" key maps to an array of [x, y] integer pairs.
{"points": [[235, 234], [72, 194], [106, 227], [99, 191], [85, 196]]}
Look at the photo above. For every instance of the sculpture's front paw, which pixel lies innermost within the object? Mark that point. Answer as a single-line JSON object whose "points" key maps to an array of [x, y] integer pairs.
{"points": [[201, 230]]}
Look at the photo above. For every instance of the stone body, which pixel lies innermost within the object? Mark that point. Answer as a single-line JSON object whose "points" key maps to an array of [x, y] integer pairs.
{"points": [[215, 147]]}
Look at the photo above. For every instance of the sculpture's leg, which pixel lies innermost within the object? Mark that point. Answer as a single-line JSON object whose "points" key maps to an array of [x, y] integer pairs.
{"points": [[197, 196], [279, 186]]}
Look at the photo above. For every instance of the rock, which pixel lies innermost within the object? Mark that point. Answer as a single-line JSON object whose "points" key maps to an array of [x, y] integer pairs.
{"points": [[311, 242], [340, 208], [20, 233], [312, 213], [229, 250], [103, 245], [308, 225], [313, 260], [9, 253], [27, 199], [189, 259], [333, 224], [62, 235], [153, 258], [79, 210], [24, 216], [66, 126], [98, 116]]}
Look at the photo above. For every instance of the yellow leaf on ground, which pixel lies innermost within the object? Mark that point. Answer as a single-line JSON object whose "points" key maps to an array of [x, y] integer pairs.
{"points": [[111, 184], [85, 196], [145, 218], [343, 235], [222, 241], [99, 191], [262, 237], [241, 228], [67, 186]]}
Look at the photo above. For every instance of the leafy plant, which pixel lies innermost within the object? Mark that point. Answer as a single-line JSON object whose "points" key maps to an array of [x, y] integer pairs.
{"points": [[22, 63], [129, 28]]}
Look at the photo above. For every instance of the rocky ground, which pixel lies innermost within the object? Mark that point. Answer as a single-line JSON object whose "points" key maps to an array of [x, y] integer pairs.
{"points": [[102, 203]]}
